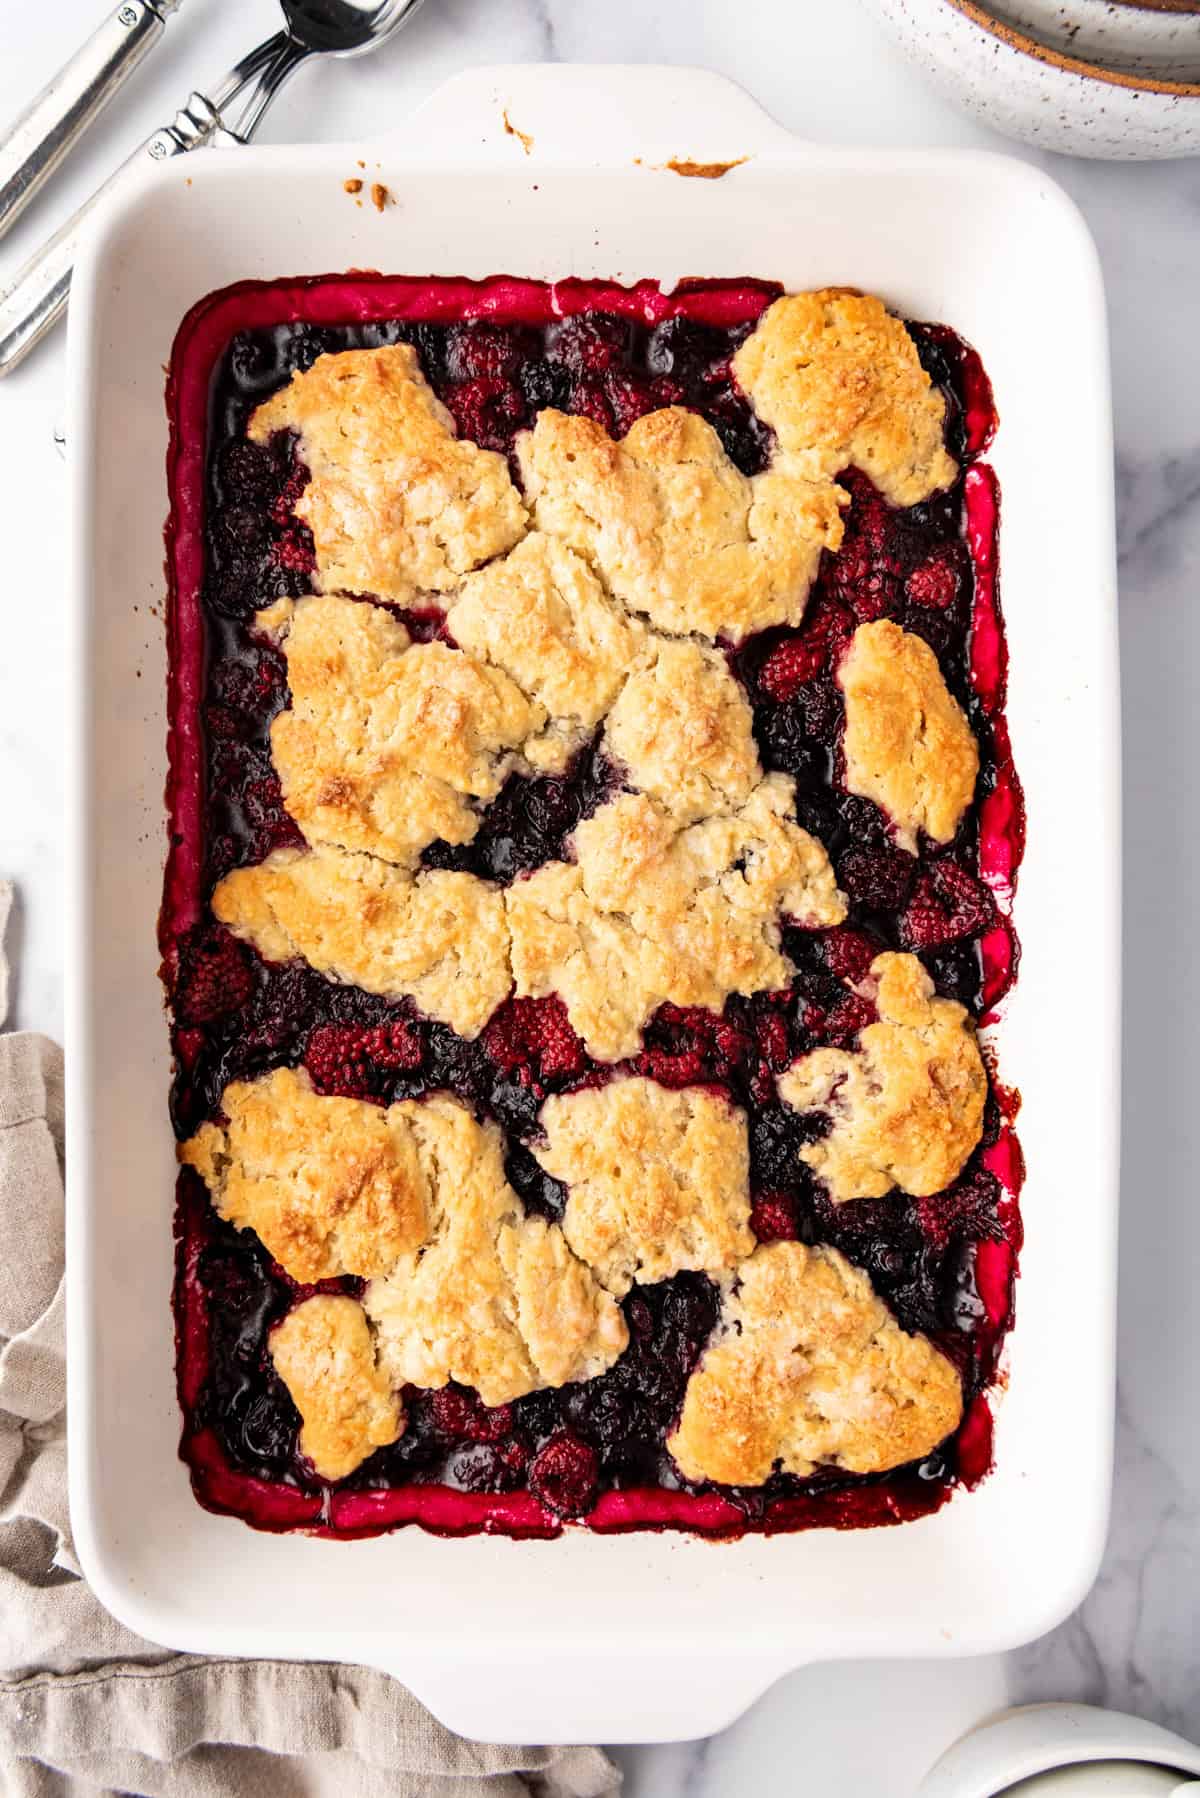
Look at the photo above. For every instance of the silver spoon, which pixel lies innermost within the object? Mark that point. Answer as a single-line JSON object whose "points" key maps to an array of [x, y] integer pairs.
{"points": [[37, 299], [52, 124]]}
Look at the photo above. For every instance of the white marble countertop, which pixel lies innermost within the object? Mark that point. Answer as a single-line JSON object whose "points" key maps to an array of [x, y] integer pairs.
{"points": [[863, 1731]]}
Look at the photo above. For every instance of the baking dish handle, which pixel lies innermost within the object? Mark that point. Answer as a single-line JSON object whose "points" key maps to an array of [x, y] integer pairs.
{"points": [[597, 1693], [579, 114]]}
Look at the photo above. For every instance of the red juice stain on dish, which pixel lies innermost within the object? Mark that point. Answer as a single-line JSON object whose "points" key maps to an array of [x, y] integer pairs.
{"points": [[497, 351]]}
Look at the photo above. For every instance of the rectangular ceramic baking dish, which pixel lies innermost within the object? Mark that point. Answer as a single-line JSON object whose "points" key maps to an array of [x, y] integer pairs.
{"points": [[644, 1636]]}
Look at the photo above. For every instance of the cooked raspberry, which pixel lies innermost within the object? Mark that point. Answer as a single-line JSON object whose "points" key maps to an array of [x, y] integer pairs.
{"points": [[773, 1217], [877, 594], [453, 1411], [693, 1020], [562, 1475], [514, 1453], [848, 953], [672, 1067], [947, 905], [284, 503], [588, 400], [846, 1018], [762, 1087], [337, 1061], [492, 1423], [866, 574], [732, 1043], [461, 1416], [272, 827], [771, 1031], [486, 410], [219, 721], [588, 344], [935, 582], [534, 1034], [482, 349], [879, 879], [252, 684], [213, 977], [394, 1046], [629, 395], [667, 392], [687, 1044], [968, 1208], [295, 550], [791, 664]]}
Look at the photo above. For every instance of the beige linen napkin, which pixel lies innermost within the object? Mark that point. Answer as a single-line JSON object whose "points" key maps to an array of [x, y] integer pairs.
{"points": [[86, 1708]]}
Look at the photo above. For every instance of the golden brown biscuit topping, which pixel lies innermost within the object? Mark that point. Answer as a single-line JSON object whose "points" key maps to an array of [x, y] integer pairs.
{"points": [[496, 1299], [673, 528], [541, 615], [649, 912], [388, 743], [838, 378], [331, 1186], [908, 745], [809, 1369], [325, 1355], [906, 1106], [397, 504], [440, 938], [683, 730], [658, 1181]]}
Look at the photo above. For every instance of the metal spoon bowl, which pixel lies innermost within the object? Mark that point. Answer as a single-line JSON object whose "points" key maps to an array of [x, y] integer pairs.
{"points": [[37, 299], [345, 27]]}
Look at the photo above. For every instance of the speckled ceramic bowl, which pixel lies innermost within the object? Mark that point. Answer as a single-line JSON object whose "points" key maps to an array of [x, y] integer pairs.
{"points": [[1035, 91], [1159, 38]]}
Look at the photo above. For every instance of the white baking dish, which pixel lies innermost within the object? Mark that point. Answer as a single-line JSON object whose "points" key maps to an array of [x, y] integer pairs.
{"points": [[643, 1636]]}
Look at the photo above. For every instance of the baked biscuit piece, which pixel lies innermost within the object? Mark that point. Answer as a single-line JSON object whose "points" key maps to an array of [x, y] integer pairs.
{"points": [[658, 1181], [906, 1106], [675, 530], [331, 1186], [397, 504], [439, 938], [496, 1299], [807, 1369], [540, 614], [388, 742], [907, 744], [838, 378], [649, 913], [682, 727], [324, 1354]]}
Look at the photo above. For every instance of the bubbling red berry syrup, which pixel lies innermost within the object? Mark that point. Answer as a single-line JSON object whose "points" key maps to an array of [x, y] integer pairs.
{"points": [[496, 352]]}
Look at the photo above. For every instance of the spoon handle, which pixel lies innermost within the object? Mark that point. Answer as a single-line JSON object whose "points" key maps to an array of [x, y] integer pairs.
{"points": [[35, 143], [38, 297]]}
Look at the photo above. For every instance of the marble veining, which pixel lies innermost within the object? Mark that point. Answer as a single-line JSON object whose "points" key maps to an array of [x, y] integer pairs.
{"points": [[866, 1730]]}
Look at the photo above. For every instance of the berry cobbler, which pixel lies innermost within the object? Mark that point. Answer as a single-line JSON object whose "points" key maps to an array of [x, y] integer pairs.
{"points": [[593, 836]]}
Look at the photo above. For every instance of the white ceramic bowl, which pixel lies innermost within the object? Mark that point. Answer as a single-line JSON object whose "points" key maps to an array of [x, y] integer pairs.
{"points": [[1065, 1751], [1161, 39], [1056, 100], [639, 1637]]}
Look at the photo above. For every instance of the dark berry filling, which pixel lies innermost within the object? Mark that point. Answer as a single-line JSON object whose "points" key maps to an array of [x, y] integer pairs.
{"points": [[496, 353]]}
